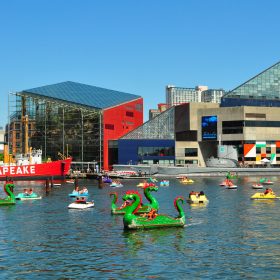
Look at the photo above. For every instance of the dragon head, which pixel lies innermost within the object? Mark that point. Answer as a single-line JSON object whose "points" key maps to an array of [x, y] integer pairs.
{"points": [[151, 187], [130, 195]]}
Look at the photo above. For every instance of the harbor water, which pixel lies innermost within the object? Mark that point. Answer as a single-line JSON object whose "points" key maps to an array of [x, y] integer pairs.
{"points": [[232, 237]]}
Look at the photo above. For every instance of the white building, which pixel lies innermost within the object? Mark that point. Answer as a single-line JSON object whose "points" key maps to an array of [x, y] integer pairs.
{"points": [[212, 95], [178, 95]]}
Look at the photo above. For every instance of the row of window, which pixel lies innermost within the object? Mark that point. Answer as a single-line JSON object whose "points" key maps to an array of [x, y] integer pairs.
{"points": [[156, 151], [236, 127]]}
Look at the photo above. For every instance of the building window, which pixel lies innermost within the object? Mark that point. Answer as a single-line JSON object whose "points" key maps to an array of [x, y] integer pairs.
{"points": [[232, 127], [109, 126], [129, 114], [190, 152], [156, 151], [254, 115]]}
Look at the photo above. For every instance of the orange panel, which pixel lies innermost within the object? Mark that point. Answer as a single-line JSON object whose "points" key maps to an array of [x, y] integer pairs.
{"points": [[248, 148], [277, 144]]}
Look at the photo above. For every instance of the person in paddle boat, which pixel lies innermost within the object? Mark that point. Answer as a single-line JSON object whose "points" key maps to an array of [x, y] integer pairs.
{"points": [[76, 190], [25, 191], [268, 191], [201, 193], [126, 203], [30, 192], [84, 191], [192, 193]]}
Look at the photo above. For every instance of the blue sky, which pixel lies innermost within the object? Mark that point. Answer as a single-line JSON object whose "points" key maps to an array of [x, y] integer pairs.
{"points": [[137, 47]]}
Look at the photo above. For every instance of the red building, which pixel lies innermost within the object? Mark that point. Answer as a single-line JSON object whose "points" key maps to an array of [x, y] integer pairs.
{"points": [[119, 120]]}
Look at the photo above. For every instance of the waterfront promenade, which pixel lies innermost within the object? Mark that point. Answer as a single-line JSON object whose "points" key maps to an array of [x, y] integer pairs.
{"points": [[198, 171]]}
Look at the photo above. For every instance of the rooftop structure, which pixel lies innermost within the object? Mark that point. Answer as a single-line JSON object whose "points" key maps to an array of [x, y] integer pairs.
{"points": [[261, 90]]}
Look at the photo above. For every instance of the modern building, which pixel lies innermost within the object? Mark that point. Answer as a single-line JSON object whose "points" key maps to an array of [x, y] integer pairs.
{"points": [[168, 139], [254, 131], [246, 127], [178, 95], [261, 90], [212, 95], [73, 119]]}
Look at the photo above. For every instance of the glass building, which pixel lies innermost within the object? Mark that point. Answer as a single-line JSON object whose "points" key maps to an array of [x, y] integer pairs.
{"points": [[151, 143], [261, 90], [71, 119]]}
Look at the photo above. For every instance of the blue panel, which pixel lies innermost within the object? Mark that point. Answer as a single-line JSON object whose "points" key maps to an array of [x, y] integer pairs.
{"points": [[128, 149], [83, 94], [234, 102]]}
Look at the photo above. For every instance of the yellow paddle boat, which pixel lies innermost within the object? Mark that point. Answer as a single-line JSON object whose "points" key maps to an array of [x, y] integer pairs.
{"points": [[186, 181], [268, 194], [197, 198]]}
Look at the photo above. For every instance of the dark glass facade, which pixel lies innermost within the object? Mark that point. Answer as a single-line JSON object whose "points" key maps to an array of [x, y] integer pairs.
{"points": [[58, 127], [261, 90]]}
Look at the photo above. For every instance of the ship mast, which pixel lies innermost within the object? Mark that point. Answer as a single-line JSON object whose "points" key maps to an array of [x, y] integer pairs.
{"points": [[25, 122]]}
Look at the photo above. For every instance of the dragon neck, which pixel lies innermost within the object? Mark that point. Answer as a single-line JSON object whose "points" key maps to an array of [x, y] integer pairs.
{"points": [[131, 209], [150, 198], [7, 189], [114, 200], [178, 205]]}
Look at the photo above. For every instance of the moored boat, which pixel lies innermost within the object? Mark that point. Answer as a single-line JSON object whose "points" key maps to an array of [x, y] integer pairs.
{"points": [[54, 168]]}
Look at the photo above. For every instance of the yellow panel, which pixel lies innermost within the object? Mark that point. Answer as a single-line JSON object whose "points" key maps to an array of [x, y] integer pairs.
{"points": [[258, 158]]}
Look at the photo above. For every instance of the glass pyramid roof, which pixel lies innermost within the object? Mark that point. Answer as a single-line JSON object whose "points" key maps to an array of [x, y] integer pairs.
{"points": [[265, 85], [82, 94], [160, 127]]}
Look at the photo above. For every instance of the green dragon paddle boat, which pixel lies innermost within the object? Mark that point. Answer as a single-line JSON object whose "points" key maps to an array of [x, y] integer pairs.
{"points": [[152, 219], [10, 199], [146, 208]]}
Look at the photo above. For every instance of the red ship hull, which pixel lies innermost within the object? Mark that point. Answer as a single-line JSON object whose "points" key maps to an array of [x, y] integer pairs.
{"points": [[48, 169]]}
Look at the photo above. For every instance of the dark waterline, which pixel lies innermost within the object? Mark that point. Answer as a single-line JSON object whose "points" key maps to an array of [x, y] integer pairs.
{"points": [[232, 237]]}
